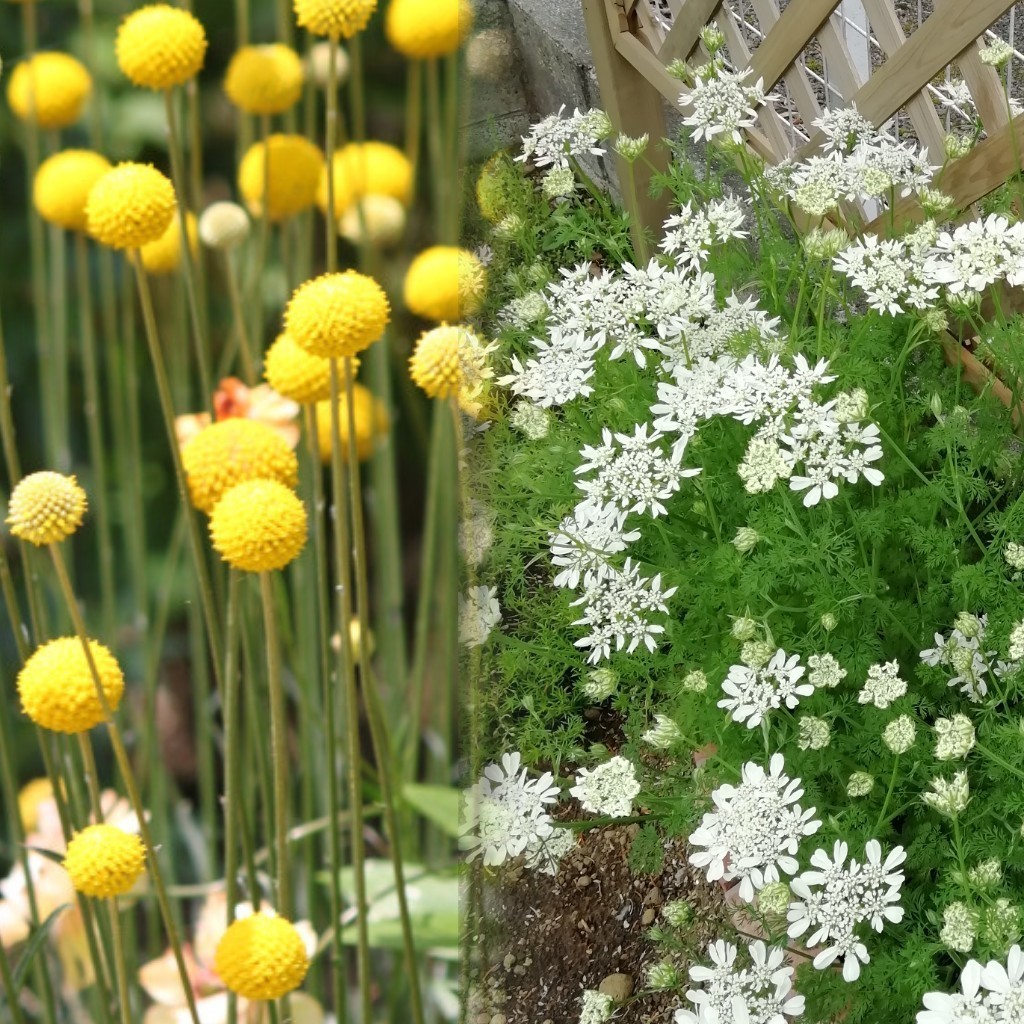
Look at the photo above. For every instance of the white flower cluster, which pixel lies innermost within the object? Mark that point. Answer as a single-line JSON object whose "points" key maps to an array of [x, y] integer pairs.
{"points": [[610, 788], [755, 830], [759, 994], [722, 104], [836, 897], [751, 692], [883, 685], [993, 994], [963, 651], [691, 233], [556, 138]]}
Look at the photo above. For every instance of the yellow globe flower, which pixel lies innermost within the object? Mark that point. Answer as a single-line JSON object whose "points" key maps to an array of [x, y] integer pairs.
{"points": [[103, 860], [291, 371], [337, 315], [379, 220], [57, 689], [295, 166], [261, 957], [62, 185], [444, 283], [231, 452], [371, 420], [164, 255], [264, 79], [160, 46], [259, 526], [224, 226], [422, 29], [342, 18], [31, 797], [368, 168], [449, 360], [49, 88], [46, 507], [130, 206]]}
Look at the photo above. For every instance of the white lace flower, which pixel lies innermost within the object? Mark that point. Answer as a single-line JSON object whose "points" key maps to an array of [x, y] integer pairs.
{"points": [[859, 784], [954, 737], [1014, 555], [585, 541], [531, 420], [824, 672], [815, 733], [755, 830], [479, 613], [609, 789], [595, 1007], [844, 128], [751, 693], [554, 139], [663, 733], [993, 994], [883, 685], [959, 927], [949, 797], [559, 373], [723, 104], [899, 735], [545, 853], [1016, 648]]}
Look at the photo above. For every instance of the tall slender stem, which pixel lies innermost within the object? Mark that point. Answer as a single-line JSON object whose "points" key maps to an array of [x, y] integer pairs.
{"points": [[232, 787], [330, 145], [120, 962], [8, 982], [414, 120], [238, 313]]}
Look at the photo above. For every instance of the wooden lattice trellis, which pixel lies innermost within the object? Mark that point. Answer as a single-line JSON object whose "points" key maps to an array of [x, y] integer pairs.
{"points": [[631, 48]]}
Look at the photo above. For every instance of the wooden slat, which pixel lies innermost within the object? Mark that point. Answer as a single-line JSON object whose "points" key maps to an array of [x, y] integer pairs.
{"points": [[888, 31], [796, 80], [986, 87], [787, 40], [682, 37]]}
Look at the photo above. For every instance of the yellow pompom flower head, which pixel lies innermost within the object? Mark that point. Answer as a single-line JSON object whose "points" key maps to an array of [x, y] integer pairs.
{"points": [[57, 688], [231, 452], [364, 169], [444, 283], [130, 206], [163, 256], [371, 421], [46, 507], [450, 361], [337, 315], [294, 165], [295, 373], [50, 89], [424, 29], [62, 185], [103, 861], [335, 18], [160, 46], [265, 79], [259, 526], [261, 956]]}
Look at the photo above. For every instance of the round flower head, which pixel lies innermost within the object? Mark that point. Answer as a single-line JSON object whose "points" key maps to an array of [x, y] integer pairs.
{"points": [[31, 798], [57, 688], [50, 89], [295, 166], [261, 956], [444, 283], [449, 361], [291, 371], [130, 206], [231, 452], [364, 169], [164, 255], [259, 526], [103, 860], [46, 507], [337, 315], [264, 79], [379, 220], [423, 29], [160, 46], [371, 420], [62, 185], [223, 226], [318, 64], [339, 18]]}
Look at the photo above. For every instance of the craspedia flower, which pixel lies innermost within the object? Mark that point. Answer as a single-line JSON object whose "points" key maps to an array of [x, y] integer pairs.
{"points": [[422, 29], [264, 79], [31, 797], [444, 283], [291, 371], [103, 860], [231, 452], [130, 206], [371, 421], [448, 360], [160, 46], [50, 89], [223, 226], [337, 315], [46, 507], [163, 256], [258, 526], [363, 169], [340, 18], [62, 185], [261, 956], [318, 64], [295, 165], [57, 688], [379, 220]]}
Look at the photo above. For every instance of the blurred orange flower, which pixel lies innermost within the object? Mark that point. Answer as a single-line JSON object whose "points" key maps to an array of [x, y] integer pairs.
{"points": [[234, 399]]}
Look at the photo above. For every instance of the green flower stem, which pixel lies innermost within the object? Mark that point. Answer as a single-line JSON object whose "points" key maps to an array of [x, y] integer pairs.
{"points": [[120, 962], [238, 313], [346, 672], [167, 408], [128, 777], [382, 746], [8, 982], [56, 370], [413, 120], [996, 759], [436, 147], [232, 763], [888, 797], [8, 438], [94, 428], [330, 145], [189, 272]]}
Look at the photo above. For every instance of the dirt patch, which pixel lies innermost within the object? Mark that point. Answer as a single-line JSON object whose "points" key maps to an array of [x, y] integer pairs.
{"points": [[553, 937]]}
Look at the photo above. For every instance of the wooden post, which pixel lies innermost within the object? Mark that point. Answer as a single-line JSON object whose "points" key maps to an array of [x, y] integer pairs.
{"points": [[635, 108]]}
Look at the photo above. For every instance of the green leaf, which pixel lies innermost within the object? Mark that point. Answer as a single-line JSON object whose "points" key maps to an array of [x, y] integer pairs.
{"points": [[35, 943], [438, 804]]}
